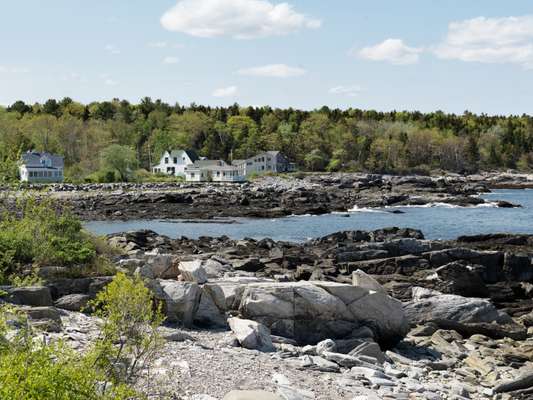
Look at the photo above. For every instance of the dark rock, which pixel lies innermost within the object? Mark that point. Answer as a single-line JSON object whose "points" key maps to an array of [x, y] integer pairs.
{"points": [[249, 265], [517, 267], [457, 278], [32, 296]]}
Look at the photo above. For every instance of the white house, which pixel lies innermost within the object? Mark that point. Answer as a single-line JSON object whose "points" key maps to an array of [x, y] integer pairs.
{"points": [[269, 161], [212, 171], [41, 167], [174, 162]]}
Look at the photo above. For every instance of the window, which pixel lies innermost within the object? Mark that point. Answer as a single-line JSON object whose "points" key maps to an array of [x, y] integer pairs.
{"points": [[175, 160], [31, 174], [192, 174], [166, 160], [218, 173]]}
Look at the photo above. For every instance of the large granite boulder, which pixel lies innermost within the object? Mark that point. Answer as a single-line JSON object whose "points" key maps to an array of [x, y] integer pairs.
{"points": [[312, 311], [307, 312], [180, 299], [219, 297], [432, 306]]}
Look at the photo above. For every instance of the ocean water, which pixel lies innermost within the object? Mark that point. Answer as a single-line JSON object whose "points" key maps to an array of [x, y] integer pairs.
{"points": [[437, 221]]}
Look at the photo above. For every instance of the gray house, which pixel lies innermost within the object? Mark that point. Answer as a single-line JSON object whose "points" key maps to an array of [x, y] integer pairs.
{"points": [[41, 167], [269, 161]]}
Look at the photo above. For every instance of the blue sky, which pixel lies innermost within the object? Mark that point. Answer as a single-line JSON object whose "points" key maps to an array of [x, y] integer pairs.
{"points": [[426, 55]]}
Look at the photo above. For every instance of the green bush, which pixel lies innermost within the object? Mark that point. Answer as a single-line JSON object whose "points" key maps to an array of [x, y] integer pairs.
{"points": [[34, 370], [40, 235], [129, 333]]}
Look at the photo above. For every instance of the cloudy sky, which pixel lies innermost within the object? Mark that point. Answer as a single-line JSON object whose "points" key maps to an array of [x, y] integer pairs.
{"points": [[426, 55]]}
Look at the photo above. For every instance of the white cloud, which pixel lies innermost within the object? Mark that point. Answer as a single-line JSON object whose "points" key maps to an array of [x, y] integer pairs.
{"points": [[394, 51], [112, 49], [240, 19], [13, 69], [490, 40], [158, 45], [171, 60], [351, 91], [110, 82], [225, 92], [273, 71], [74, 77]]}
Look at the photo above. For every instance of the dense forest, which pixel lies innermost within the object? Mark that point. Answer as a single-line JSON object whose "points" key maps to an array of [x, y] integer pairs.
{"points": [[117, 140]]}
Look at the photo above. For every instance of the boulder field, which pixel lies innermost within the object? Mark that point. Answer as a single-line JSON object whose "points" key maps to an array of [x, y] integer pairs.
{"points": [[383, 314]]}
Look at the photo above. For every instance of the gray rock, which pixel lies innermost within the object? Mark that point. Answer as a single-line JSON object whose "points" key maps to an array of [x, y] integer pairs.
{"points": [[181, 300], [318, 363], [73, 302], [369, 349], [208, 314], [193, 271], [325, 345], [365, 281], [44, 318], [162, 265], [174, 335], [251, 395], [429, 305], [251, 335], [38, 296], [523, 381], [312, 311], [342, 359]]}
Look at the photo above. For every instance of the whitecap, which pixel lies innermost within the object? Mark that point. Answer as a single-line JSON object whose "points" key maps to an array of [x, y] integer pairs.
{"points": [[366, 209]]}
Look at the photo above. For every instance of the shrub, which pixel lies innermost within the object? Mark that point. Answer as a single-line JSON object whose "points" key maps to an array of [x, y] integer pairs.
{"points": [[38, 234], [33, 370], [129, 337]]}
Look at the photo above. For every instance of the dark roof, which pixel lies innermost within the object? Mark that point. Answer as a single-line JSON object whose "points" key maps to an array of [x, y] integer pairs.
{"points": [[190, 153], [33, 159]]}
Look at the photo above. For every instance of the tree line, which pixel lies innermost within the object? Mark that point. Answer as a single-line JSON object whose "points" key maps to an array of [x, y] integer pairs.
{"points": [[114, 140]]}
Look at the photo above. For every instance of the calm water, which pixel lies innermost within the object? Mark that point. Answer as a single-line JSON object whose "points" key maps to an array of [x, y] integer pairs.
{"points": [[437, 222]]}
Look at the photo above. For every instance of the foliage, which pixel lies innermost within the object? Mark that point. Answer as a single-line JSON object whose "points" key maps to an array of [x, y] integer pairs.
{"points": [[38, 234], [129, 333], [34, 370], [118, 162], [109, 140]]}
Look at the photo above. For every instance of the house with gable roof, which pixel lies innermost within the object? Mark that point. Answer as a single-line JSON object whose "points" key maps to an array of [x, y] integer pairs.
{"points": [[44, 167], [174, 162]]}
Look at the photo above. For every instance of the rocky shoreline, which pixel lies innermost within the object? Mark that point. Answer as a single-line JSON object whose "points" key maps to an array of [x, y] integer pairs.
{"points": [[270, 197], [359, 315]]}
